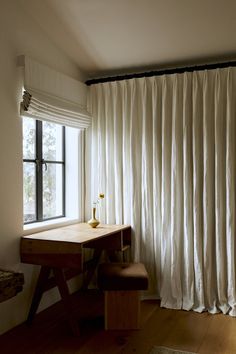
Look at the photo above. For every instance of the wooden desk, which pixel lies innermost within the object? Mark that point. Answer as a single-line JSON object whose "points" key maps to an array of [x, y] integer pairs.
{"points": [[61, 251]]}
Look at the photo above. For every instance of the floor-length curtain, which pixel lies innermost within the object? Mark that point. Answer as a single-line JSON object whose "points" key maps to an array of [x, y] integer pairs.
{"points": [[162, 149]]}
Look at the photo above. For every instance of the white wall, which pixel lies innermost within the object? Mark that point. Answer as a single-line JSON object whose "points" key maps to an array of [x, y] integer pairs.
{"points": [[18, 35]]}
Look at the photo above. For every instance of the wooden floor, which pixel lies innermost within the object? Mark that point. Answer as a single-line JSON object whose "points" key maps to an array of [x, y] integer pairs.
{"points": [[189, 331]]}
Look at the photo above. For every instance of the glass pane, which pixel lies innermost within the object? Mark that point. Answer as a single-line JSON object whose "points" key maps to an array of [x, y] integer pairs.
{"points": [[29, 192], [52, 141], [29, 138], [52, 190]]}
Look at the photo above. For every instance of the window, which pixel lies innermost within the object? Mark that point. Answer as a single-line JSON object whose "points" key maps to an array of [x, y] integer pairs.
{"points": [[44, 170]]}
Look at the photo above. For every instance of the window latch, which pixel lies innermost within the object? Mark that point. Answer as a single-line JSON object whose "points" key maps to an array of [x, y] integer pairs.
{"points": [[37, 161], [42, 162]]}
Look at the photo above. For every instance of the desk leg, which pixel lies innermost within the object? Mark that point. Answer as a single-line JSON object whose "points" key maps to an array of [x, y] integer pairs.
{"points": [[92, 267], [39, 289], [65, 296]]}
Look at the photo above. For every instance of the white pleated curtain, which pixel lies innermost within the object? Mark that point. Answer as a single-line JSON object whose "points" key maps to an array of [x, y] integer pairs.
{"points": [[163, 152]]}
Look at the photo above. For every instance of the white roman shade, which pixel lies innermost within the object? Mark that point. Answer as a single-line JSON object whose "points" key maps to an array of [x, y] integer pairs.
{"points": [[52, 96]]}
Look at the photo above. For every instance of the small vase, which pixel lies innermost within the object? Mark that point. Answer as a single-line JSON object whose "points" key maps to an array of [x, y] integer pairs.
{"points": [[93, 222]]}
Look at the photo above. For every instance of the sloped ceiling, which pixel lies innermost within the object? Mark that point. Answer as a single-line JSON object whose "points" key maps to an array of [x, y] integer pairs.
{"points": [[106, 37]]}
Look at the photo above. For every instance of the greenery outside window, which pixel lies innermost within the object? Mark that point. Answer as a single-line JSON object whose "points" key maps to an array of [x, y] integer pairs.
{"points": [[44, 170]]}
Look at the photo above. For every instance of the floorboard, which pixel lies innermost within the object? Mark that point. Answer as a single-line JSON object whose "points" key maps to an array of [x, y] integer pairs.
{"points": [[189, 331]]}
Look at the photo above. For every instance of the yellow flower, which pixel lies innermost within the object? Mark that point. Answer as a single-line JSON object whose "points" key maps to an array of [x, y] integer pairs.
{"points": [[100, 196]]}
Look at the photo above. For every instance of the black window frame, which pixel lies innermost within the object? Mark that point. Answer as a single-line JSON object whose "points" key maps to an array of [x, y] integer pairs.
{"points": [[40, 162]]}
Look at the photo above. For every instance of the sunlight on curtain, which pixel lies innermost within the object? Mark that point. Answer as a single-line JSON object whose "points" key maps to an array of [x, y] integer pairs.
{"points": [[163, 152]]}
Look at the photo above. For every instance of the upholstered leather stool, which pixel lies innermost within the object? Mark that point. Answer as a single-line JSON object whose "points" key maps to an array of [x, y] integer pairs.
{"points": [[122, 283]]}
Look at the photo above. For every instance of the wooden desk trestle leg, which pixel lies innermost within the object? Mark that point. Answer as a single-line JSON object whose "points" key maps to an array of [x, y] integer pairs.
{"points": [[65, 296], [45, 283], [91, 268], [39, 290]]}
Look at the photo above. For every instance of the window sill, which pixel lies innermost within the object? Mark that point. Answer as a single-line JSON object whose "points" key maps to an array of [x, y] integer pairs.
{"points": [[48, 225]]}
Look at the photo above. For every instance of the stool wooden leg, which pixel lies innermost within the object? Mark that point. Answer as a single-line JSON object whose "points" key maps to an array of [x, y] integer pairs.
{"points": [[122, 309]]}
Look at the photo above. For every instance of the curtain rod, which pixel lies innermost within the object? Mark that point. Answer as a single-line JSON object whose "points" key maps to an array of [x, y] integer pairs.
{"points": [[179, 70]]}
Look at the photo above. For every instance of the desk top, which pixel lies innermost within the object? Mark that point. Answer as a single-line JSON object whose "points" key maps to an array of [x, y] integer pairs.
{"points": [[78, 233], [64, 246]]}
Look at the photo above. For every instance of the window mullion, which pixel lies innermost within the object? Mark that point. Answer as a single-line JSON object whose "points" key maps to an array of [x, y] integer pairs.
{"points": [[45, 142], [39, 172]]}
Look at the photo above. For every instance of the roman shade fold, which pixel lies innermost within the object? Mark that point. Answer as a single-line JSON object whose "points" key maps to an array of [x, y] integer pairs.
{"points": [[52, 96]]}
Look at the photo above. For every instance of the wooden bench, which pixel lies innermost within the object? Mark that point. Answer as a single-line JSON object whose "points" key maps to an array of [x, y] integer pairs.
{"points": [[11, 283], [122, 283]]}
